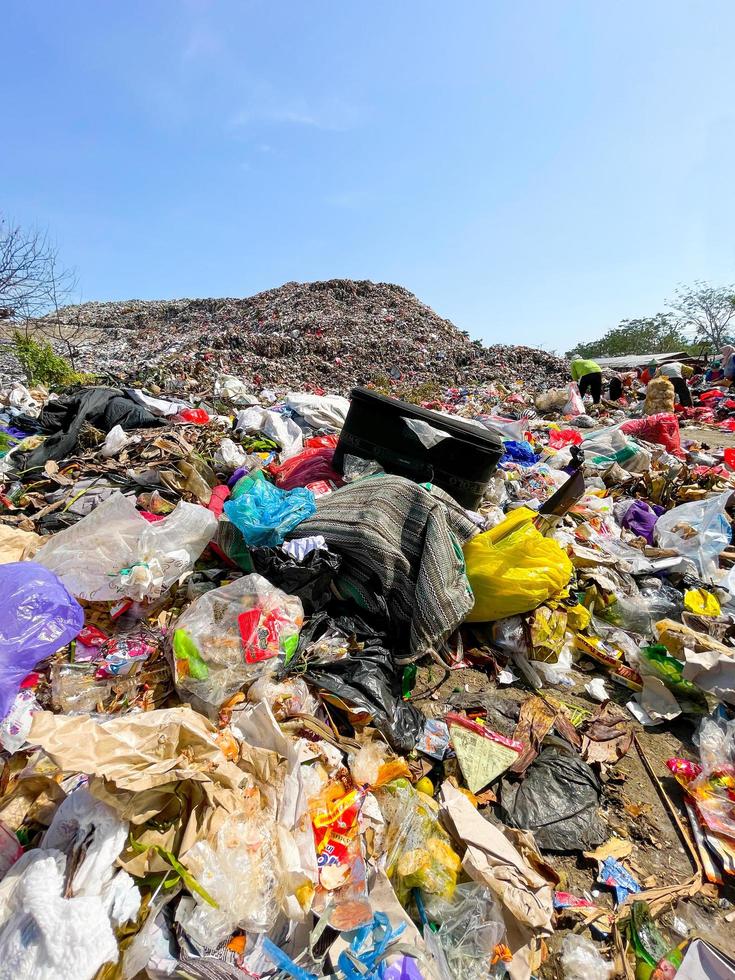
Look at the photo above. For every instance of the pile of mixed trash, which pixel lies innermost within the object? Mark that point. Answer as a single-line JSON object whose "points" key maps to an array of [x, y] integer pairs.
{"points": [[279, 700], [331, 334]]}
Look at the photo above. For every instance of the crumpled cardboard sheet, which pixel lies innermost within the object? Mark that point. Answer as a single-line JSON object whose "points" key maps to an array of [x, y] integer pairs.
{"points": [[677, 638], [35, 797], [163, 766], [509, 864]]}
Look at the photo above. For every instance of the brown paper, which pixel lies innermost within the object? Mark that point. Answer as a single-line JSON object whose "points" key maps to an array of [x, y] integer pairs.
{"points": [[160, 770], [491, 859], [137, 752], [18, 545]]}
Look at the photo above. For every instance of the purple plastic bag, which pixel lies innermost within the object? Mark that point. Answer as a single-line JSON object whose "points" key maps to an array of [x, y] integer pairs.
{"points": [[37, 618], [405, 968], [640, 518]]}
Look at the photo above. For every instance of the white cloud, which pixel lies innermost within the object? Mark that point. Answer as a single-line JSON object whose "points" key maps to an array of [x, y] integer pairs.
{"points": [[330, 115]]}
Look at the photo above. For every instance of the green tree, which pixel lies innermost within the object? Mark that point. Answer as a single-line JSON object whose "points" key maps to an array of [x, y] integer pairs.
{"points": [[659, 334], [707, 312]]}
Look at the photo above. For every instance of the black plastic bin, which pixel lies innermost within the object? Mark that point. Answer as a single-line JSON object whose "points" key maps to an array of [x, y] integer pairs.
{"points": [[461, 464]]}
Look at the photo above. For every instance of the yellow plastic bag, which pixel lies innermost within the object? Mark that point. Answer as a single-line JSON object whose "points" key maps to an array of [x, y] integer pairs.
{"points": [[702, 602], [513, 568]]}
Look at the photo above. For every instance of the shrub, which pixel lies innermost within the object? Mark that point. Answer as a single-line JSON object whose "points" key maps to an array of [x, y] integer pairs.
{"points": [[43, 365]]}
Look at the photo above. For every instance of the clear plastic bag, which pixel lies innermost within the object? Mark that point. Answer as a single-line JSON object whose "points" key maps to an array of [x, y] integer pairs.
{"points": [[342, 889], [553, 400], [234, 635], [241, 872], [285, 698], [581, 960], [698, 530], [471, 926], [712, 784], [419, 852], [610, 446], [114, 552], [10, 849], [356, 468], [37, 618], [264, 515], [638, 613]]}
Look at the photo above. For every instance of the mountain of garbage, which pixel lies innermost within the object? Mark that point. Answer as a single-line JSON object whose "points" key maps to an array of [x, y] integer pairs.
{"points": [[331, 334]]}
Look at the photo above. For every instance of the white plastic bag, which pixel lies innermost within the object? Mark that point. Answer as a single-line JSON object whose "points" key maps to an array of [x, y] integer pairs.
{"points": [[234, 390], [698, 530], [574, 404], [116, 440], [230, 456], [22, 401], [114, 552], [46, 936], [319, 410], [282, 430], [82, 818]]}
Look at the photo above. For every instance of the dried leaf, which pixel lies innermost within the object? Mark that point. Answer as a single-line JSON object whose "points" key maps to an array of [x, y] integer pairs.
{"points": [[614, 848]]}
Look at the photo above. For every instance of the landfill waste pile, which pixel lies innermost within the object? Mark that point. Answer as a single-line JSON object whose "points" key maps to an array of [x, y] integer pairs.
{"points": [[331, 334], [308, 685]]}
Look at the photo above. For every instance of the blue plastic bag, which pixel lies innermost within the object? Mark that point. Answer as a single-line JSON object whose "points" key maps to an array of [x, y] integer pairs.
{"points": [[521, 452], [37, 618], [264, 515]]}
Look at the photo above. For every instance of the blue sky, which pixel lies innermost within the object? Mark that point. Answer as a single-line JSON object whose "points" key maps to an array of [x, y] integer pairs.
{"points": [[535, 170]]}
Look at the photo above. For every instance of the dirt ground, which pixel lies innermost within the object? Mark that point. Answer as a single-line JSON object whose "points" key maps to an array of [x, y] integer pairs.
{"points": [[714, 438]]}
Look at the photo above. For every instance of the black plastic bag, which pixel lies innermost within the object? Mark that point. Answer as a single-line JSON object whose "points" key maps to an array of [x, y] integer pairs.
{"points": [[309, 579], [62, 420], [557, 800], [366, 680]]}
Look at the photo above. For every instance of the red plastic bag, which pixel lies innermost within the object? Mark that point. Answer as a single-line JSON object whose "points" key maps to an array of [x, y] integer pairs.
{"points": [[308, 466], [216, 504], [662, 428], [729, 455], [322, 442], [558, 439], [195, 415], [713, 393]]}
